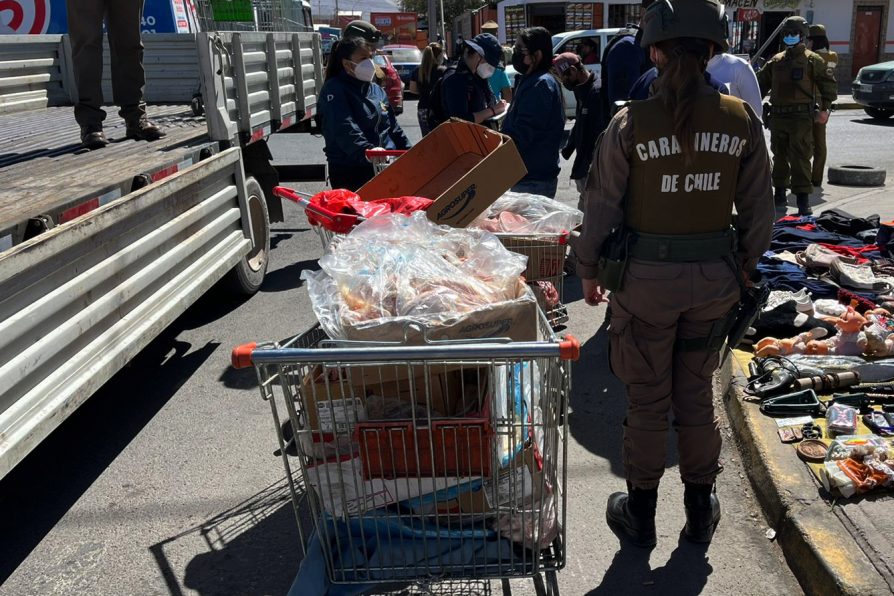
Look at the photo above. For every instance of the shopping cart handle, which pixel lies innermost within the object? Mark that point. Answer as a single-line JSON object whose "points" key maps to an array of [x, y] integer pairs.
{"points": [[385, 152], [569, 348], [335, 218], [241, 356]]}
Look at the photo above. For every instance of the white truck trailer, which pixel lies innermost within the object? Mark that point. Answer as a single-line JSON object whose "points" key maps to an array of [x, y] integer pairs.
{"points": [[101, 250]]}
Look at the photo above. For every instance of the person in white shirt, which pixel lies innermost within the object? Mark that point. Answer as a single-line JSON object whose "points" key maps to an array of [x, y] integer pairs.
{"points": [[738, 75]]}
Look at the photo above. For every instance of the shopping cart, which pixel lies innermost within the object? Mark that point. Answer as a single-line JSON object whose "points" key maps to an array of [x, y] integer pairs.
{"points": [[441, 462], [326, 223], [546, 265]]}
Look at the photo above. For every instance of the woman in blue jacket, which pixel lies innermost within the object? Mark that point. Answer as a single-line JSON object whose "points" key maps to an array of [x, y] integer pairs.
{"points": [[536, 118], [356, 115]]}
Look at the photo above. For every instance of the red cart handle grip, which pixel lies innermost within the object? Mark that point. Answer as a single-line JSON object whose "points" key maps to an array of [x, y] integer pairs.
{"points": [[385, 152], [569, 348], [338, 221], [241, 356]]}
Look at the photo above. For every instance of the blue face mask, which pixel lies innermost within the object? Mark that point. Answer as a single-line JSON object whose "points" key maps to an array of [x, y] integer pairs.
{"points": [[791, 40]]}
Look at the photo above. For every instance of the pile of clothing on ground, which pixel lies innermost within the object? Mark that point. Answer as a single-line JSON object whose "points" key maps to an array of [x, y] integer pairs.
{"points": [[823, 346]]}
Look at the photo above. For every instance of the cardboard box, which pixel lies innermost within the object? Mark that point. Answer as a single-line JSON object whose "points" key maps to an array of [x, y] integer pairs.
{"points": [[336, 405], [515, 319], [462, 167]]}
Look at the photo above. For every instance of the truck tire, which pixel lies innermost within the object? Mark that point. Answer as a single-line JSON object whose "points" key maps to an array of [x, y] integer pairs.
{"points": [[246, 277], [879, 113], [851, 175]]}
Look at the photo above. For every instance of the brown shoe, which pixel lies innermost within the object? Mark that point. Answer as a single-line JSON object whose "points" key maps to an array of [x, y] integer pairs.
{"points": [[93, 138], [144, 130]]}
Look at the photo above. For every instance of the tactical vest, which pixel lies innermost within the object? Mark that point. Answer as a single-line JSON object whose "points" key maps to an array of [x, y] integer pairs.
{"points": [[667, 196], [793, 82]]}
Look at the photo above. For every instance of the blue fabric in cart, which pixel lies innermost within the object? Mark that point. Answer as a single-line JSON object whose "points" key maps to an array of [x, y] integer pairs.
{"points": [[379, 540]]}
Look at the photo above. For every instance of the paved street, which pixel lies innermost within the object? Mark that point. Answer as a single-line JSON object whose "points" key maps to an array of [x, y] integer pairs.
{"points": [[165, 482]]}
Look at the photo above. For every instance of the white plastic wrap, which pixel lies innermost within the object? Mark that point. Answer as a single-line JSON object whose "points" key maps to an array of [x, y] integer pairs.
{"points": [[521, 213], [395, 267]]}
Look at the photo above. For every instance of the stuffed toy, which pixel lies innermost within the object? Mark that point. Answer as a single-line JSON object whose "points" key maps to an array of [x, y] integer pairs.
{"points": [[850, 341]]}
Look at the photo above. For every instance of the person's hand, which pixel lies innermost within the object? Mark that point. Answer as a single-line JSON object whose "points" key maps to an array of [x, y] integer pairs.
{"points": [[500, 107], [594, 294], [374, 149], [822, 117]]}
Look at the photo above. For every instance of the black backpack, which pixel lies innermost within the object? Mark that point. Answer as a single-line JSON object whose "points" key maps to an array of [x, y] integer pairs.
{"points": [[437, 114]]}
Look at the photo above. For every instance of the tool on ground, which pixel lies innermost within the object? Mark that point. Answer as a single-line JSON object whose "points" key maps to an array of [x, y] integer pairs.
{"points": [[800, 402], [775, 375], [829, 382]]}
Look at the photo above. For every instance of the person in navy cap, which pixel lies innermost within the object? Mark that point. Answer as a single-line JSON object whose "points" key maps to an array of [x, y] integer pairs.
{"points": [[466, 93]]}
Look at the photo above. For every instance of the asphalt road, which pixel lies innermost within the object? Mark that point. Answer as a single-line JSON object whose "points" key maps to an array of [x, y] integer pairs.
{"points": [[165, 482]]}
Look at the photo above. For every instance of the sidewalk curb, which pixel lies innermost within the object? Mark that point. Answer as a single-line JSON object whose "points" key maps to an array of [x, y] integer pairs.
{"points": [[820, 551], [846, 105]]}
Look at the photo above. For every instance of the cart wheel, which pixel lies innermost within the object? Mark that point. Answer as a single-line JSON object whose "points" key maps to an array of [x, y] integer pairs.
{"points": [[507, 589], [539, 586], [552, 583]]}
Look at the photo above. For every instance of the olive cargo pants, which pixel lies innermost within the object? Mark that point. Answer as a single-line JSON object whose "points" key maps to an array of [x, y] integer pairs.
{"points": [[819, 153], [660, 303], [85, 21], [791, 141]]}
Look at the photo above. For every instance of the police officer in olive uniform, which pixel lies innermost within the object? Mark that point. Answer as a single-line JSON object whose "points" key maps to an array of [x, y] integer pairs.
{"points": [[818, 42], [801, 91], [665, 178]]}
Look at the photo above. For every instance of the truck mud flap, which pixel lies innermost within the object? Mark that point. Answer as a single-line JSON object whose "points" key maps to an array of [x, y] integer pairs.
{"points": [[82, 299]]}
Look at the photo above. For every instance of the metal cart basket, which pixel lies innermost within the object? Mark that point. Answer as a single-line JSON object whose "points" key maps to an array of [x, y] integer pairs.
{"points": [[546, 263], [428, 463]]}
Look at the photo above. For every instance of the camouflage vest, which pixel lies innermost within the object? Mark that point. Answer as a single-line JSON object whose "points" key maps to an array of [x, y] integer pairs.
{"points": [[667, 196]]}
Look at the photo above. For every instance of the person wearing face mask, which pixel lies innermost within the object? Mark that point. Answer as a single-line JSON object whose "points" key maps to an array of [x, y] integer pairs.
{"points": [[464, 90], [587, 115], [355, 113], [801, 90], [536, 118]]}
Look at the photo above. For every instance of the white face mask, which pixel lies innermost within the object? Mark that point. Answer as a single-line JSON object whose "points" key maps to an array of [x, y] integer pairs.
{"points": [[364, 70], [485, 70]]}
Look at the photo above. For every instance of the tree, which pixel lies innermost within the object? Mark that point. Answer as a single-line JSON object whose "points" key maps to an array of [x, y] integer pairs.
{"points": [[452, 8]]}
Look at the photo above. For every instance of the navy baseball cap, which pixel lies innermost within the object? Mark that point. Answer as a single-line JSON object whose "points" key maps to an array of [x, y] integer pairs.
{"points": [[488, 47]]}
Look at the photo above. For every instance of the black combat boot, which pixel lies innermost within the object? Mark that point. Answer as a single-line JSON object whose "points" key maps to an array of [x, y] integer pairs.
{"points": [[702, 512], [779, 197], [633, 514], [804, 204]]}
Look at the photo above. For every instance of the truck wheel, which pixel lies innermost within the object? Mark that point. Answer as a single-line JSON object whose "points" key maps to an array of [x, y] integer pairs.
{"points": [[850, 175], [246, 277], [879, 113]]}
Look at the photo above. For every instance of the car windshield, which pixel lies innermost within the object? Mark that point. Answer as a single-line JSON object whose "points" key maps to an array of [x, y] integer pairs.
{"points": [[380, 60], [557, 39], [405, 54]]}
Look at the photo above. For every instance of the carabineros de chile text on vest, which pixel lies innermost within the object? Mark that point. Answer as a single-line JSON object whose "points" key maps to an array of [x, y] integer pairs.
{"points": [[703, 142]]}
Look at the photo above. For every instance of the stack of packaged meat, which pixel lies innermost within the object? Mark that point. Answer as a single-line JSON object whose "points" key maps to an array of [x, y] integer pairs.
{"points": [[521, 213]]}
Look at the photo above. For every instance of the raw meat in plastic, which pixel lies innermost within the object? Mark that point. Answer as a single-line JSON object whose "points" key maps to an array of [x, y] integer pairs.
{"points": [[395, 267], [522, 213]]}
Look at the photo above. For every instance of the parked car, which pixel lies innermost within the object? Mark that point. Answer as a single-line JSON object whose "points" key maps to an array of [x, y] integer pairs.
{"points": [[392, 84], [570, 42], [405, 58], [874, 90]]}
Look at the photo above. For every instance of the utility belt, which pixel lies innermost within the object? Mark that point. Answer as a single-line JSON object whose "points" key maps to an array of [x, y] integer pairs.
{"points": [[624, 244], [790, 110]]}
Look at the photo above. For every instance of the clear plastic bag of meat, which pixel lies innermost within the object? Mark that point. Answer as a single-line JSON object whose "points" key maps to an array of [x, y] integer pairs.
{"points": [[521, 213], [398, 267]]}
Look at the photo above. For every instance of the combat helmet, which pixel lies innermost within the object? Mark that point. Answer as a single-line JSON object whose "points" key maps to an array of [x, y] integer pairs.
{"points": [[672, 19], [817, 31], [798, 24]]}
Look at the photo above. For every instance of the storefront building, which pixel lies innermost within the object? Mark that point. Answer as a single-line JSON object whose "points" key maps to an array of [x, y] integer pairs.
{"points": [[861, 31]]}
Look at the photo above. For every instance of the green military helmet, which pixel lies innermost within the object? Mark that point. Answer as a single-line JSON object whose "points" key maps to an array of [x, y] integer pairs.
{"points": [[817, 31], [798, 24], [672, 19]]}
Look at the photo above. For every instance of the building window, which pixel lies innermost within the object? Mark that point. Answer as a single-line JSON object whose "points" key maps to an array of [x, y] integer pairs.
{"points": [[622, 14]]}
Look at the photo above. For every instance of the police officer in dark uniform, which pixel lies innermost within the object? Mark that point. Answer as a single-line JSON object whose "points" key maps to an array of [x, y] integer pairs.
{"points": [[665, 178], [819, 43], [802, 90], [85, 21], [355, 112]]}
